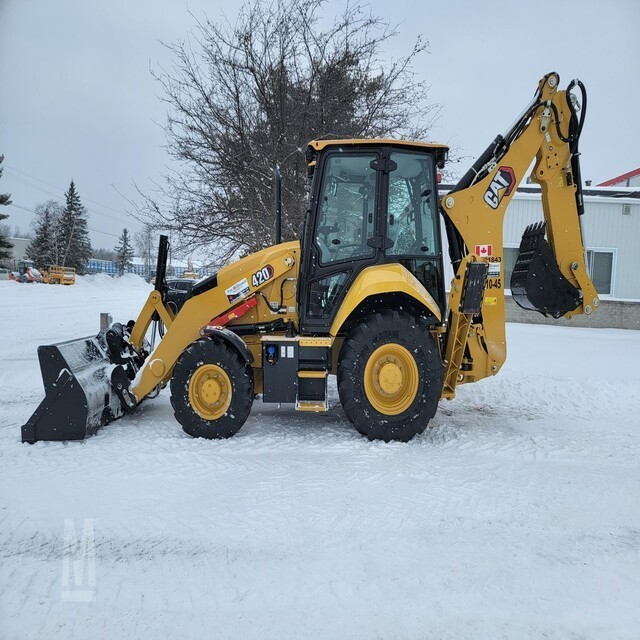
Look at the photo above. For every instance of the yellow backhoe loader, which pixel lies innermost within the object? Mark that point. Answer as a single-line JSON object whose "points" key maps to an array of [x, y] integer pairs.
{"points": [[362, 296]]}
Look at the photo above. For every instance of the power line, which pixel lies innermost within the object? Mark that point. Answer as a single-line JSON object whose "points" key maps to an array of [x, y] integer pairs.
{"points": [[10, 168], [105, 206], [57, 195], [106, 233], [33, 186], [24, 181]]}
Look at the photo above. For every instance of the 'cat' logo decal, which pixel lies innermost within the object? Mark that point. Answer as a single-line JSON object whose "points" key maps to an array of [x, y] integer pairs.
{"points": [[502, 185]]}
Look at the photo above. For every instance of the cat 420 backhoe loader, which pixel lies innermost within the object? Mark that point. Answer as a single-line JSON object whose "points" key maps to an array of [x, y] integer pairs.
{"points": [[361, 296]]}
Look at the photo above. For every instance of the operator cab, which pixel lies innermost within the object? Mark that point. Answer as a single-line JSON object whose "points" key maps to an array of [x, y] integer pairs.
{"points": [[371, 202]]}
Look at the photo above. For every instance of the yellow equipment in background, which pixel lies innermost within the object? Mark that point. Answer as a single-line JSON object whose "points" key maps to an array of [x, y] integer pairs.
{"points": [[361, 296], [190, 273], [61, 275]]}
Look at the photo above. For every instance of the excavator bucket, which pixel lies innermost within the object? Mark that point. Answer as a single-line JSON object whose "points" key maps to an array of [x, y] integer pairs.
{"points": [[537, 283], [79, 395]]}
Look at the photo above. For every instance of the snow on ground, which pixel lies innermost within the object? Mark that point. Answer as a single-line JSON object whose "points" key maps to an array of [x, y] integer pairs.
{"points": [[517, 515]]}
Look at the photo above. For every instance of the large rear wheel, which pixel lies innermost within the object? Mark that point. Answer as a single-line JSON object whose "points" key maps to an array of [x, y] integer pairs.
{"points": [[211, 389], [390, 376]]}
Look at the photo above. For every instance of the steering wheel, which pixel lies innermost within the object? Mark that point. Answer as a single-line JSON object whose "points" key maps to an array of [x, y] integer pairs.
{"points": [[340, 247], [326, 229]]}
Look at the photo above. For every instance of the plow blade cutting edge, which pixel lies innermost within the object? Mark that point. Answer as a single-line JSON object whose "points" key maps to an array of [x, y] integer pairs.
{"points": [[79, 394]]}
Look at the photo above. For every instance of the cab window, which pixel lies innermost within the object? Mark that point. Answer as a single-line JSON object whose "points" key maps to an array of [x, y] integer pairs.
{"points": [[346, 209], [412, 210]]}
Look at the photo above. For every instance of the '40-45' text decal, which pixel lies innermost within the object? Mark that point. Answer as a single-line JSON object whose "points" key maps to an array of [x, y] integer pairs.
{"points": [[260, 277]]}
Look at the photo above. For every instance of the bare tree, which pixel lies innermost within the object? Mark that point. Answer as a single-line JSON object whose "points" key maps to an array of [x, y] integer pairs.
{"points": [[6, 247], [46, 247], [19, 233], [104, 254], [244, 97], [144, 242]]}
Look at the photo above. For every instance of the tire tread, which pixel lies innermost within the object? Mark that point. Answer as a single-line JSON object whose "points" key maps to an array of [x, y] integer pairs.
{"points": [[375, 330], [210, 351]]}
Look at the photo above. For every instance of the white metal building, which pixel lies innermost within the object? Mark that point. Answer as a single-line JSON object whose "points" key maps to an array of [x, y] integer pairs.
{"points": [[18, 252], [610, 229]]}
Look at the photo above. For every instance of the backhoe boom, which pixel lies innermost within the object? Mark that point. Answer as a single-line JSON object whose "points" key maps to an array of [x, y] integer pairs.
{"points": [[550, 275]]}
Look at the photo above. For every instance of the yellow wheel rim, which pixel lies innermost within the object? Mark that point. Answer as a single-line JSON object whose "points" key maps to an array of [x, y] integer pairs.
{"points": [[210, 391], [391, 379]]}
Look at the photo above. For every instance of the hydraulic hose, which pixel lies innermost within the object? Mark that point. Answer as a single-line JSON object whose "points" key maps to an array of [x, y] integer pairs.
{"points": [[575, 129]]}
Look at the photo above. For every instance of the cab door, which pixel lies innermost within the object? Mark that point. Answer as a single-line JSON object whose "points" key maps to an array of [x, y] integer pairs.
{"points": [[412, 221], [340, 239]]}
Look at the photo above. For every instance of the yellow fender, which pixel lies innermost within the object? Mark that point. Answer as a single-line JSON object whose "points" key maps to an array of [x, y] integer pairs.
{"points": [[381, 279]]}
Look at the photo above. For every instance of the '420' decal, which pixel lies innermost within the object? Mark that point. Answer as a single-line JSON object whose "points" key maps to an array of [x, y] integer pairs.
{"points": [[260, 277]]}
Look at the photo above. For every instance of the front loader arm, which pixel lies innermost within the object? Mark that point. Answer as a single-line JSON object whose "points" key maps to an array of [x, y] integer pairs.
{"points": [[232, 285], [556, 282], [152, 306]]}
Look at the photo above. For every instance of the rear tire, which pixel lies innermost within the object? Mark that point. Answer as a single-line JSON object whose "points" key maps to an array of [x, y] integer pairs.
{"points": [[211, 390], [390, 376]]}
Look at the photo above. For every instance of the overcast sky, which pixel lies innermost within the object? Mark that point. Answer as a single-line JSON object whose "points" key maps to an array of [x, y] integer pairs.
{"points": [[77, 99]]}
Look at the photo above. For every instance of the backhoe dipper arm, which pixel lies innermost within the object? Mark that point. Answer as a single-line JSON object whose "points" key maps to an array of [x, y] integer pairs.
{"points": [[549, 277]]}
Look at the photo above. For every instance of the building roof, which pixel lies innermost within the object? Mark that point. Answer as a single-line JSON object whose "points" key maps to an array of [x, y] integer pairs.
{"points": [[622, 178]]}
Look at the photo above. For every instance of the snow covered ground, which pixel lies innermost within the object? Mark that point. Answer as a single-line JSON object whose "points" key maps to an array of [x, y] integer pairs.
{"points": [[516, 516]]}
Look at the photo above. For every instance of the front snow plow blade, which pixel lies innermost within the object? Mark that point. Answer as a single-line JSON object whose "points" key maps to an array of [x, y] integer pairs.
{"points": [[537, 283], [79, 396]]}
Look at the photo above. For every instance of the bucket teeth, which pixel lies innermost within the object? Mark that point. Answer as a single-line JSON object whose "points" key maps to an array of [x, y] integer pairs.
{"points": [[537, 283]]}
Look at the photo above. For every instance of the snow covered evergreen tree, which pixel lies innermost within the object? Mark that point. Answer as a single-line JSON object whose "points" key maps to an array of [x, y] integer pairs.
{"points": [[5, 199], [45, 248], [124, 252], [74, 234]]}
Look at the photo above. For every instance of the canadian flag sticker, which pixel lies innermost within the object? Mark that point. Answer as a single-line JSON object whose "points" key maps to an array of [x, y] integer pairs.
{"points": [[484, 250]]}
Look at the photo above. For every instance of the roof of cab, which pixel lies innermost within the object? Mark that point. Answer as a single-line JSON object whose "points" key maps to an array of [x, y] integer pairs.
{"points": [[318, 145]]}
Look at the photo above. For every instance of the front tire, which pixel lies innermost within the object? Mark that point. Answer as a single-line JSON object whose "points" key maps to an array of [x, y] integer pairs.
{"points": [[211, 390], [390, 376]]}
